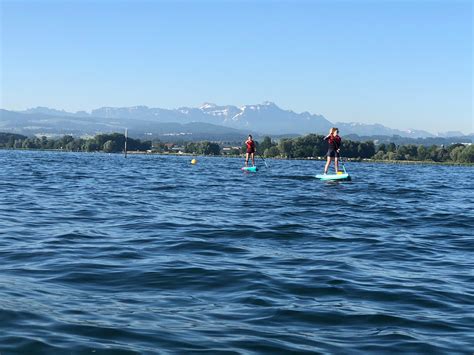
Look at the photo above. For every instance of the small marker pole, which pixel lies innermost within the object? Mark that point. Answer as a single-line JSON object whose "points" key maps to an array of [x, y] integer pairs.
{"points": [[126, 138]]}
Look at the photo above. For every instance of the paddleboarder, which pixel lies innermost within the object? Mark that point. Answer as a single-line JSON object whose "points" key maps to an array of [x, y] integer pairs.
{"points": [[251, 150], [334, 148]]}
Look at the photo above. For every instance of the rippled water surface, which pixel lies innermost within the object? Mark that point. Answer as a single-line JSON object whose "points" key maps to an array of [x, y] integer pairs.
{"points": [[101, 254]]}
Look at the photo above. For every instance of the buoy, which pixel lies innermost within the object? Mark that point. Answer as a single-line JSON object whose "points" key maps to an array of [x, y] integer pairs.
{"points": [[194, 161]]}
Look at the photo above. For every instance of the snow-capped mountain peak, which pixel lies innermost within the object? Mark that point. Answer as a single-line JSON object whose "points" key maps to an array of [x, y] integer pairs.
{"points": [[207, 105], [265, 117]]}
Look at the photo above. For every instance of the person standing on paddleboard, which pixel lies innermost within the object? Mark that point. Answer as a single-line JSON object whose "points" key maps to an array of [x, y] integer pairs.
{"points": [[251, 150], [334, 148]]}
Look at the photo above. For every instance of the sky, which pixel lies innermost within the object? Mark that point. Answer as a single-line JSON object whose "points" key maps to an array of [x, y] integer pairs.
{"points": [[405, 64]]}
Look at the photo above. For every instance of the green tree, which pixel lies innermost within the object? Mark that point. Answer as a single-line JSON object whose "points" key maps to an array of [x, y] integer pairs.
{"points": [[455, 154], [161, 147], [391, 147], [11, 142], [74, 145], [366, 149], [411, 152], [191, 148], [432, 153], [44, 142], [350, 149], [392, 156], [272, 152], [442, 154], [64, 140], [401, 153], [110, 147], [286, 147], [421, 152], [28, 143], [266, 144], [308, 146], [90, 146], [380, 155], [209, 148], [467, 155]]}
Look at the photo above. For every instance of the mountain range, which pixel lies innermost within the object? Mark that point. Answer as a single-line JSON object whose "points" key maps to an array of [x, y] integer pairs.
{"points": [[220, 122]]}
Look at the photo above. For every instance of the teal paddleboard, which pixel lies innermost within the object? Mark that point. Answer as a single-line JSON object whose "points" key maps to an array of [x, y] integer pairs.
{"points": [[328, 177], [252, 169]]}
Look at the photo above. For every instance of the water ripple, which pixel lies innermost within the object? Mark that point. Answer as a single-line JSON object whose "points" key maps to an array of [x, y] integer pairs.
{"points": [[152, 254]]}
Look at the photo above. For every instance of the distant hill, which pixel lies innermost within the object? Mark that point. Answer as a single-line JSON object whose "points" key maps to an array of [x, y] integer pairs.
{"points": [[379, 139], [266, 118], [260, 119], [378, 129], [7, 137], [55, 125]]}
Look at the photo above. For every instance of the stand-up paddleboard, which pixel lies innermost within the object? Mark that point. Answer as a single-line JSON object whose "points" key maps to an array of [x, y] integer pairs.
{"points": [[340, 176], [252, 169], [328, 177]]}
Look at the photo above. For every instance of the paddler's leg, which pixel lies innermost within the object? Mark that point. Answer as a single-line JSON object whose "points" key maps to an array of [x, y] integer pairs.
{"points": [[246, 159], [326, 167], [253, 159], [336, 164]]}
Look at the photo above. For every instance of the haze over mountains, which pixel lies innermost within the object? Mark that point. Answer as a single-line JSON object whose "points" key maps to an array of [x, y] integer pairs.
{"points": [[212, 120]]}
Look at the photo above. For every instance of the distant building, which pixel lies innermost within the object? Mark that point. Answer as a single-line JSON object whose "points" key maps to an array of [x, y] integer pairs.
{"points": [[231, 150], [177, 149]]}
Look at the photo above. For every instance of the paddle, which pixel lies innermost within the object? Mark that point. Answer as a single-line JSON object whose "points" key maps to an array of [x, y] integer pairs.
{"points": [[263, 160], [343, 166]]}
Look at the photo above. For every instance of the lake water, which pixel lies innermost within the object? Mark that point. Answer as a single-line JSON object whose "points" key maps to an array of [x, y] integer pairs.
{"points": [[150, 254]]}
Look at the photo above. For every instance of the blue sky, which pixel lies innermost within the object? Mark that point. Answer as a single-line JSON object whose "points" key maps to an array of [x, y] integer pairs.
{"points": [[405, 64]]}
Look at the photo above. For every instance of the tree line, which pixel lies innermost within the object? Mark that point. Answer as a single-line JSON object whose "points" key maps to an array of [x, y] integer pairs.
{"points": [[309, 146], [109, 143], [313, 145], [456, 153]]}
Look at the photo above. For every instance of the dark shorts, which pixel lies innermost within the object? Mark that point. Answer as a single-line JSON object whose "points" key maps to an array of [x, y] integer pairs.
{"points": [[250, 151], [332, 154]]}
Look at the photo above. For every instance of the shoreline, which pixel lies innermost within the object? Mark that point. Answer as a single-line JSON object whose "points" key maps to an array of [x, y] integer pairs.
{"points": [[351, 160]]}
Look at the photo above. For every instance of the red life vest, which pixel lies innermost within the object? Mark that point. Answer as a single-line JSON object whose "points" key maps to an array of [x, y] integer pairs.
{"points": [[334, 142], [250, 146]]}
